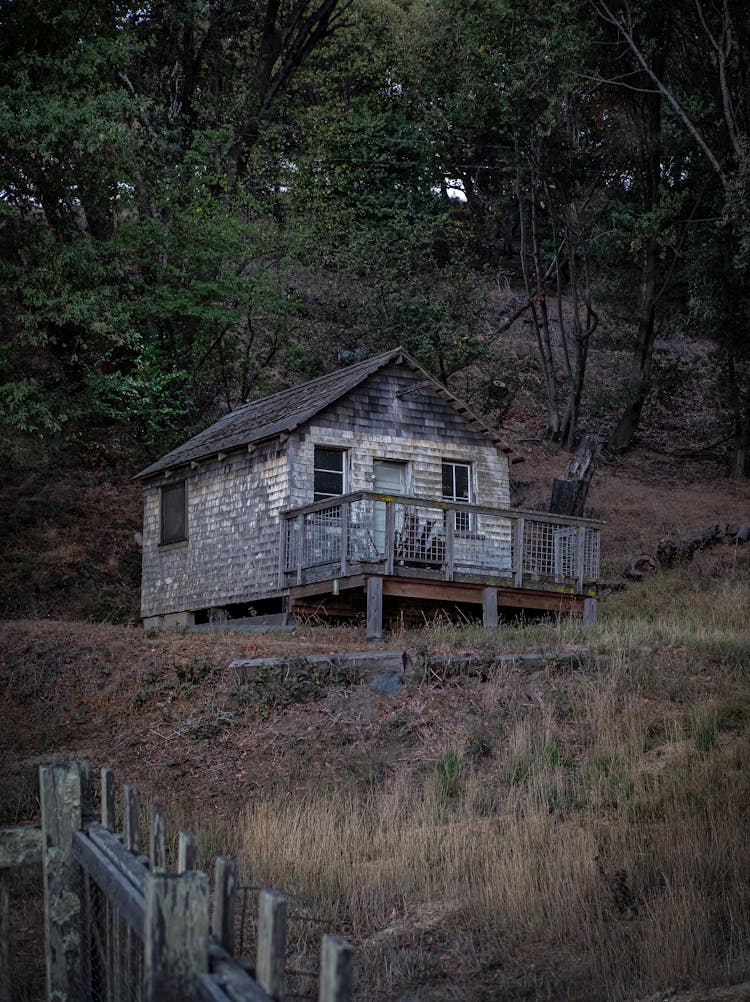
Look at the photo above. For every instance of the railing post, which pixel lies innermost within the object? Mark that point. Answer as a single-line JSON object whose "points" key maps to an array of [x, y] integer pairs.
{"points": [[301, 542], [5, 948], [64, 794], [336, 965], [450, 539], [175, 935], [580, 558], [517, 530], [344, 538], [390, 536], [270, 954]]}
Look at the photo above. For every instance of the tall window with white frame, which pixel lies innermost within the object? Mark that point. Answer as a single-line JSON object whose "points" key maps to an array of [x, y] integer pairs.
{"points": [[457, 488], [329, 475]]}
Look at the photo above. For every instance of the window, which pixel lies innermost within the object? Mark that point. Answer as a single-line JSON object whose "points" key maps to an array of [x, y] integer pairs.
{"points": [[173, 514], [329, 473], [456, 487]]}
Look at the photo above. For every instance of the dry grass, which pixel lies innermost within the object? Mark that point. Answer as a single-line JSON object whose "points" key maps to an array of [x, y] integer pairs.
{"points": [[569, 834]]}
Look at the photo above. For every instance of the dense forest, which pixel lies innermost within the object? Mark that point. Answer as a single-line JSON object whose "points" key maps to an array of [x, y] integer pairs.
{"points": [[206, 200]]}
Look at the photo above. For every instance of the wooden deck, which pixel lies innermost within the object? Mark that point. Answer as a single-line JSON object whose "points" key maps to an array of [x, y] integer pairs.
{"points": [[405, 557]]}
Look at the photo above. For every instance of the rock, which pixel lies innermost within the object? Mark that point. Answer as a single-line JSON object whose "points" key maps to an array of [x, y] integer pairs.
{"points": [[387, 685]]}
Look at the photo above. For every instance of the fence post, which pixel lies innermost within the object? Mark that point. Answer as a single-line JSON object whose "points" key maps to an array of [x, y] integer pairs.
{"points": [[108, 799], [187, 852], [450, 543], [270, 953], [580, 558], [157, 840], [130, 817], [336, 964], [175, 935], [222, 925], [64, 794]]}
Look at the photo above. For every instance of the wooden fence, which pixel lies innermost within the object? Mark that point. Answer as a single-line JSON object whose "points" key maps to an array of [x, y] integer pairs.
{"points": [[119, 927]]}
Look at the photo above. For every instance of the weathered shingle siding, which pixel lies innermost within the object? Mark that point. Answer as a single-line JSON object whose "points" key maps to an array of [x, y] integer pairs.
{"points": [[231, 550], [379, 421]]}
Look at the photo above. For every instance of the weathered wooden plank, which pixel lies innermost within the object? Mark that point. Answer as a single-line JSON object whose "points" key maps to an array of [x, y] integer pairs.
{"points": [[127, 898], [390, 536], [489, 608], [455, 591], [374, 608], [336, 967], [237, 983], [20, 845], [222, 923], [207, 989], [450, 545], [187, 852], [270, 954], [5, 943], [175, 935], [129, 865], [63, 796], [108, 798], [157, 840], [130, 817], [366, 662]]}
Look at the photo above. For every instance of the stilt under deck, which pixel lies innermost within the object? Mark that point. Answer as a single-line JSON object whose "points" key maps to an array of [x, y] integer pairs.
{"points": [[396, 557]]}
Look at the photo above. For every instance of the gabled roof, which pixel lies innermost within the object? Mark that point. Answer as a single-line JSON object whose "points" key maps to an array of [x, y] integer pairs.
{"points": [[285, 411]]}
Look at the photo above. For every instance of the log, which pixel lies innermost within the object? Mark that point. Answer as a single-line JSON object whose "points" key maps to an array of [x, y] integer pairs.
{"points": [[569, 493], [673, 551]]}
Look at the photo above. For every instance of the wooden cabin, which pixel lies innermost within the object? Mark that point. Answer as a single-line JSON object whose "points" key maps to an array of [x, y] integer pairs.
{"points": [[372, 489]]}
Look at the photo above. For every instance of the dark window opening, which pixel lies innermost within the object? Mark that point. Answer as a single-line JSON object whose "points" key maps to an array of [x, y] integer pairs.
{"points": [[328, 473], [456, 488], [173, 514]]}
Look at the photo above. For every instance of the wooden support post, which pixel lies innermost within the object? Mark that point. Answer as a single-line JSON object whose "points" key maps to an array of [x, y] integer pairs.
{"points": [[336, 965], [270, 954], [5, 947], [175, 935], [374, 608], [489, 608], [450, 541], [187, 852], [157, 840], [108, 799], [222, 924], [344, 538], [518, 528], [130, 817], [390, 537], [590, 611], [64, 795]]}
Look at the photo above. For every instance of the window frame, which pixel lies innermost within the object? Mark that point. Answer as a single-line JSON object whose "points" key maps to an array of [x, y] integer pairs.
{"points": [[324, 495], [463, 520], [180, 533]]}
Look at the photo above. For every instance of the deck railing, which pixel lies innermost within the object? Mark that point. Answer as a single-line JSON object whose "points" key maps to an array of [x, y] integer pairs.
{"points": [[387, 534]]}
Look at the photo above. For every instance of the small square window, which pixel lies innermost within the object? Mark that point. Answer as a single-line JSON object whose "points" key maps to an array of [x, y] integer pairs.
{"points": [[173, 514]]}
